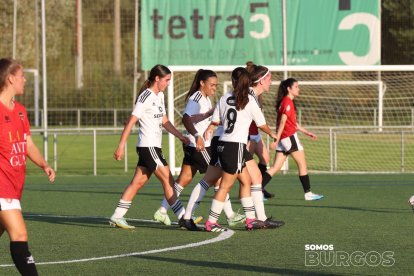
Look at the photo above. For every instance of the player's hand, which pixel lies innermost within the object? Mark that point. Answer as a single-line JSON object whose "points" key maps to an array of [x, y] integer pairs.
{"points": [[208, 134], [312, 135], [184, 139], [50, 173], [119, 153], [273, 145], [199, 143]]}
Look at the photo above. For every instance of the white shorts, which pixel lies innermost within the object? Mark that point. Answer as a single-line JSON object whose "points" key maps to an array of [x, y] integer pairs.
{"points": [[9, 204], [256, 138], [289, 144]]}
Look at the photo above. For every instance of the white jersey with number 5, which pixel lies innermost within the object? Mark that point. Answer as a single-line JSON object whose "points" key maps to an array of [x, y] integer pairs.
{"points": [[149, 110], [236, 123]]}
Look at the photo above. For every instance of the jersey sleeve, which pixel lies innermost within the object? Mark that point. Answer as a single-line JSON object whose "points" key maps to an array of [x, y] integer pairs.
{"points": [[216, 114], [139, 109], [192, 108], [258, 116]]}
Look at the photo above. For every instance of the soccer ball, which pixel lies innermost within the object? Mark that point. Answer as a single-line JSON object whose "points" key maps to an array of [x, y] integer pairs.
{"points": [[411, 200]]}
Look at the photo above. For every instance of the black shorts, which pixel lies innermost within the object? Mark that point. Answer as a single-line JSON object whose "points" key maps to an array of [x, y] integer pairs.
{"points": [[214, 161], [150, 158], [197, 159], [232, 156]]}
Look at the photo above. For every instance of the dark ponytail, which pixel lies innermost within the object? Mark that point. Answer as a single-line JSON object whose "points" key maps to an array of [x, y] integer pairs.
{"points": [[158, 70], [256, 72], [283, 90], [241, 85]]}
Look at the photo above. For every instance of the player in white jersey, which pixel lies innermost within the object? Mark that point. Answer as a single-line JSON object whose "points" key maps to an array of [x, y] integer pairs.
{"points": [[196, 119], [260, 78], [150, 113], [235, 111]]}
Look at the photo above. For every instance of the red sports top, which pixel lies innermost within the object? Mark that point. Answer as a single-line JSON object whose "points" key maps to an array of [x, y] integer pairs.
{"points": [[253, 129], [287, 107], [14, 129]]}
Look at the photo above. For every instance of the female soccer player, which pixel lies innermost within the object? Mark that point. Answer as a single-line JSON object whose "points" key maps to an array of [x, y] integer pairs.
{"points": [[15, 144], [287, 141], [197, 154], [235, 111], [149, 111], [260, 83]]}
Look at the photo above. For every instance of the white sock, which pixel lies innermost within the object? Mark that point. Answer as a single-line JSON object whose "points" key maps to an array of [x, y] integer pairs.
{"points": [[228, 210], [215, 210], [195, 198], [257, 195], [178, 208], [164, 204], [248, 207], [121, 209]]}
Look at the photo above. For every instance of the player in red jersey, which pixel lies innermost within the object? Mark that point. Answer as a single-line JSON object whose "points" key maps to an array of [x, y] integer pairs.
{"points": [[287, 142], [15, 144]]}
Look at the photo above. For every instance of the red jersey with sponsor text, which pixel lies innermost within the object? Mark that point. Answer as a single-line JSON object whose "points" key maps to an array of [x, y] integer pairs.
{"points": [[287, 107], [14, 129]]}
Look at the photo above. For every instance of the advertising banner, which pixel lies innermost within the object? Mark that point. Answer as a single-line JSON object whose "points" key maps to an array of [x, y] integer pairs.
{"points": [[220, 32]]}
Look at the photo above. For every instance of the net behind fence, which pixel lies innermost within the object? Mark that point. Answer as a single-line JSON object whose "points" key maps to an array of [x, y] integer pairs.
{"points": [[354, 113]]}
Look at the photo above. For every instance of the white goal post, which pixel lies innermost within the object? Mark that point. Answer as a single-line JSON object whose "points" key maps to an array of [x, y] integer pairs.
{"points": [[332, 98]]}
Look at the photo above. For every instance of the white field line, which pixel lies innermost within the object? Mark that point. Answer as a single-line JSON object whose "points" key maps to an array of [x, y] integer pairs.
{"points": [[223, 236]]}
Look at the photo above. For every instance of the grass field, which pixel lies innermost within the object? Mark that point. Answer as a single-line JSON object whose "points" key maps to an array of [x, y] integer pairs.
{"points": [[69, 233]]}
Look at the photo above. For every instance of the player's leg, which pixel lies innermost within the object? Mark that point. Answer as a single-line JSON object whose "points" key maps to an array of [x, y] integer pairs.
{"points": [[163, 173], [186, 175], [299, 157], [217, 205], [117, 219], [279, 159], [264, 158], [13, 223]]}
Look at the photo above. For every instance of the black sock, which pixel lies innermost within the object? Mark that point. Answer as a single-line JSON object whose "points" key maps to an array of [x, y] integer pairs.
{"points": [[304, 179], [22, 258], [266, 179], [262, 168]]}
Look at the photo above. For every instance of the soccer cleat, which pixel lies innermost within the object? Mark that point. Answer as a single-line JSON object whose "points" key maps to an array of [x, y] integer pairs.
{"points": [[253, 224], [120, 223], [266, 194], [188, 224], [236, 219], [163, 218], [273, 223], [312, 196], [214, 227], [197, 219]]}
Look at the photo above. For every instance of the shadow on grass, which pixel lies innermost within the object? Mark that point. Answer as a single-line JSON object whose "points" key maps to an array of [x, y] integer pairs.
{"points": [[232, 268], [347, 208], [100, 222]]}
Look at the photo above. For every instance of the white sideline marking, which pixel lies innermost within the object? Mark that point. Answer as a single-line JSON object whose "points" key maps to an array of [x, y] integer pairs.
{"points": [[223, 236]]}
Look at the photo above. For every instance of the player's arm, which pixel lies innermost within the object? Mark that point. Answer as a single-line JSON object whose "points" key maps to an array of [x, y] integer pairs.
{"points": [[189, 126], [34, 154], [279, 131], [306, 132], [201, 116], [171, 129], [120, 150]]}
